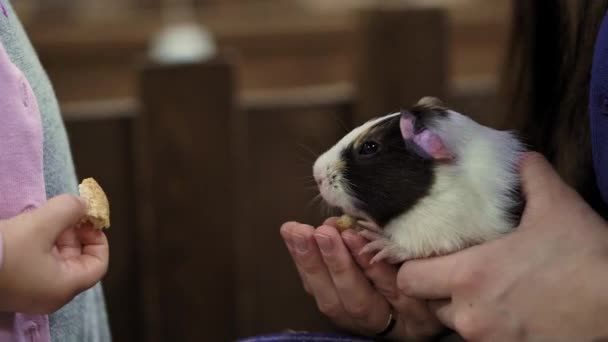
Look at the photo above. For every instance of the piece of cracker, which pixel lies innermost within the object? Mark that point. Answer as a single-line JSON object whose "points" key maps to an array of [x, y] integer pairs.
{"points": [[98, 206], [345, 222]]}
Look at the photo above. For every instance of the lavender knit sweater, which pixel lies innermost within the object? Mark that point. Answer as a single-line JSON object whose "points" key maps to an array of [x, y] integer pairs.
{"points": [[83, 319]]}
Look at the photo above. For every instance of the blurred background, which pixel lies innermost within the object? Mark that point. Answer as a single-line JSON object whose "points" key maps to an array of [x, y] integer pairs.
{"points": [[202, 119]]}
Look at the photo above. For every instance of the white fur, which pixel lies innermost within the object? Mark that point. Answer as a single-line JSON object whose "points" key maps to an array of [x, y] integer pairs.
{"points": [[468, 201]]}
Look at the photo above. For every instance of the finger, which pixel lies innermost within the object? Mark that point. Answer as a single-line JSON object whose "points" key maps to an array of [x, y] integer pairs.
{"points": [[360, 300], [91, 265], [419, 321], [430, 278], [332, 222], [538, 177], [308, 259], [56, 215], [88, 236], [300, 274], [475, 325], [67, 243], [291, 249], [381, 274], [444, 311]]}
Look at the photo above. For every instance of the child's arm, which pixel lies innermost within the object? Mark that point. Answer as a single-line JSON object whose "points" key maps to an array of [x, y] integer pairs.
{"points": [[46, 260]]}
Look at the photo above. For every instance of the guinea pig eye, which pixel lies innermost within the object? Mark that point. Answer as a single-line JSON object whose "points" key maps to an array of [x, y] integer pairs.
{"points": [[368, 148]]}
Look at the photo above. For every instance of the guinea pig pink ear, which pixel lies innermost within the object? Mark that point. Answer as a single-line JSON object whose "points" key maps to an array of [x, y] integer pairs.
{"points": [[406, 123], [426, 139]]}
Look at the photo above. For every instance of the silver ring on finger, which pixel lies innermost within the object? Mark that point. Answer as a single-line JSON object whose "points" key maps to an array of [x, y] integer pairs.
{"points": [[390, 325]]}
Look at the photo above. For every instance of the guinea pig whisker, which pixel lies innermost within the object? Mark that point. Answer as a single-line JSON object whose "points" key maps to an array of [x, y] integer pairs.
{"points": [[310, 182], [306, 178], [352, 185], [315, 200], [312, 153], [329, 210], [318, 200], [303, 161], [326, 209], [340, 123]]}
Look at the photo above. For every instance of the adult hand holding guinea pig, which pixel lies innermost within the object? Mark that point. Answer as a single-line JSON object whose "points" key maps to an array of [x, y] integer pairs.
{"points": [[413, 181], [544, 282], [338, 277], [45, 260]]}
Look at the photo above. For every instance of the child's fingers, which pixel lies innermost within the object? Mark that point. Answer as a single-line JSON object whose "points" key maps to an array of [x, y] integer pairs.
{"points": [[88, 235], [86, 269], [56, 215], [94, 243]]}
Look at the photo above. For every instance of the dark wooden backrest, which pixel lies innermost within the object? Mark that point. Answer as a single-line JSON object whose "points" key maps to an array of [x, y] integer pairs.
{"points": [[403, 56], [282, 142], [101, 140], [185, 196]]}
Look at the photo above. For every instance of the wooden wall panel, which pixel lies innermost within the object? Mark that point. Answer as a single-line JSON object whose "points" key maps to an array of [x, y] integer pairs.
{"points": [[101, 148], [282, 146], [185, 192], [398, 65]]}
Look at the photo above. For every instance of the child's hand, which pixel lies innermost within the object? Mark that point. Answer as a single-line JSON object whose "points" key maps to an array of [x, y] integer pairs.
{"points": [[46, 260]]}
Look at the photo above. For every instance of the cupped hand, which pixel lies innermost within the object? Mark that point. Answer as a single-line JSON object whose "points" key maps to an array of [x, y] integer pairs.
{"points": [[544, 282], [48, 258], [356, 295]]}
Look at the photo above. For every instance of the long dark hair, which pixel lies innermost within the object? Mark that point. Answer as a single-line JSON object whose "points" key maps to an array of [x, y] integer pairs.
{"points": [[546, 82]]}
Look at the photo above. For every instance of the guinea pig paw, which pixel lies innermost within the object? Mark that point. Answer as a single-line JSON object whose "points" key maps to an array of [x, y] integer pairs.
{"points": [[391, 254], [369, 226], [375, 246], [371, 235], [383, 248]]}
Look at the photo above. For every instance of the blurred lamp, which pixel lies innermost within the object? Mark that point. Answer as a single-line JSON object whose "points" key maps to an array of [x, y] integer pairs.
{"points": [[182, 39]]}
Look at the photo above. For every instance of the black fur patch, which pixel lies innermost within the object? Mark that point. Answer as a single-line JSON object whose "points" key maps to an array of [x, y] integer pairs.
{"points": [[391, 181]]}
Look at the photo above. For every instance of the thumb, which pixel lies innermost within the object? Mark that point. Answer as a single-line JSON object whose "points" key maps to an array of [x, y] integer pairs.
{"points": [[540, 182], [56, 215]]}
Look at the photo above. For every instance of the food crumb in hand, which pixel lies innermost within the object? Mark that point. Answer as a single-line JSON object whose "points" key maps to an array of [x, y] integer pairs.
{"points": [[345, 222], [98, 206]]}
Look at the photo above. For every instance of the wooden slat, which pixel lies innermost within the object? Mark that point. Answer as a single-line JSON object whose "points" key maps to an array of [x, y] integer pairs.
{"points": [[403, 57], [118, 108], [480, 99], [282, 146], [298, 98], [282, 44], [280, 135], [186, 195], [95, 60], [101, 149]]}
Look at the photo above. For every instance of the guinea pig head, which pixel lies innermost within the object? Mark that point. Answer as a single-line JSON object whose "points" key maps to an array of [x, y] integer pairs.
{"points": [[384, 167]]}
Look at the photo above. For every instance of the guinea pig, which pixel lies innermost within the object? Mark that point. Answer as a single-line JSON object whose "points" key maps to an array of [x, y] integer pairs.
{"points": [[424, 182]]}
